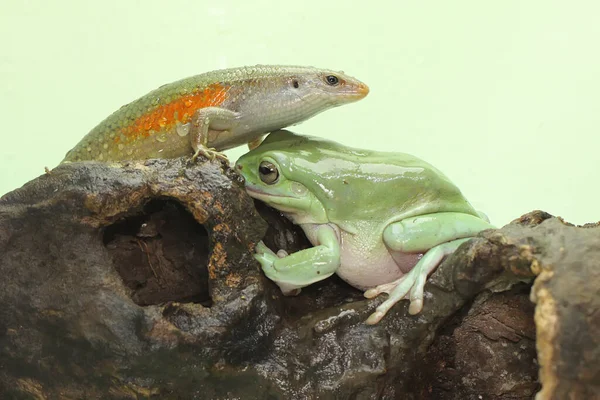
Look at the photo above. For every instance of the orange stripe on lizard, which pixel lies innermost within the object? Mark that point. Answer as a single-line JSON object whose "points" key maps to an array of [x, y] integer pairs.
{"points": [[180, 110]]}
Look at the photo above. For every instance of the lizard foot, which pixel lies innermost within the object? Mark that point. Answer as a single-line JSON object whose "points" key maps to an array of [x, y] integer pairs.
{"points": [[210, 153]]}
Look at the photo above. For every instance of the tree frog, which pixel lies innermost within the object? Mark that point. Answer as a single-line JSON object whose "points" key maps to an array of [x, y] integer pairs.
{"points": [[382, 221]]}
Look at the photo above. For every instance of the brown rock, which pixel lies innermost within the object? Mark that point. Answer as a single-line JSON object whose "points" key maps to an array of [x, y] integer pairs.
{"points": [[128, 281]]}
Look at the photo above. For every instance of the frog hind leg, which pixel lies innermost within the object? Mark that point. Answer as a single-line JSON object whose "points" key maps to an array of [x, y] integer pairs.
{"points": [[483, 216], [436, 235], [411, 285]]}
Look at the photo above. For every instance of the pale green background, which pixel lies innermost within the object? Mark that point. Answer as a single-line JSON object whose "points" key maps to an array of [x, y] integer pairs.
{"points": [[503, 96]]}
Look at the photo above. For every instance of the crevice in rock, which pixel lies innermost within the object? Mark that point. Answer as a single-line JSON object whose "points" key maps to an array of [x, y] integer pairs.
{"points": [[161, 254]]}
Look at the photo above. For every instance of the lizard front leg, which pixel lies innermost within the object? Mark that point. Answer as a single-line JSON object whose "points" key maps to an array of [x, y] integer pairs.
{"points": [[210, 118], [255, 143]]}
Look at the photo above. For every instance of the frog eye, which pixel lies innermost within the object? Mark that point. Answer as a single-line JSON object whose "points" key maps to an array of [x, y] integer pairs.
{"points": [[268, 172], [332, 80]]}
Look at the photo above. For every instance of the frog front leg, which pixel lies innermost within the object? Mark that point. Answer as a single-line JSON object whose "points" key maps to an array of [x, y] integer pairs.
{"points": [[210, 118], [436, 235], [305, 267]]}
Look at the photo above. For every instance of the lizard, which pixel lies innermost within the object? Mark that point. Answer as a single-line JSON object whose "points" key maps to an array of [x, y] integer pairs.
{"points": [[208, 113]]}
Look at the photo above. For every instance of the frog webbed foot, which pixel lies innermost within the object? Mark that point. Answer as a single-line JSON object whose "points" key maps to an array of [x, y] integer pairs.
{"points": [[411, 285], [266, 257], [397, 290]]}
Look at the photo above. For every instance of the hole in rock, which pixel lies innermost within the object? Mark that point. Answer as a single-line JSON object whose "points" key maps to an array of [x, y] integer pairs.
{"points": [[161, 254]]}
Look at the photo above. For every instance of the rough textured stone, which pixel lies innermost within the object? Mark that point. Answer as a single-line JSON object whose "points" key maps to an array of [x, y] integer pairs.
{"points": [[136, 280], [487, 349]]}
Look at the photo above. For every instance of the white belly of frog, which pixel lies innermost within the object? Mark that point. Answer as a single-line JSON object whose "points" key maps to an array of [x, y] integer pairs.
{"points": [[366, 264]]}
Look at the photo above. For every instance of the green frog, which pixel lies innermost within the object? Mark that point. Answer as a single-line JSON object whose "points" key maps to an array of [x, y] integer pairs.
{"points": [[381, 221]]}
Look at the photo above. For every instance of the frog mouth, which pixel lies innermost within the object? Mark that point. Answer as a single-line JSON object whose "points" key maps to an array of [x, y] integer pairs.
{"points": [[261, 194]]}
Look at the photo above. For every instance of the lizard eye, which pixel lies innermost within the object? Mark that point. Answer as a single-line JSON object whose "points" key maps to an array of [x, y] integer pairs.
{"points": [[268, 172], [295, 83], [332, 80]]}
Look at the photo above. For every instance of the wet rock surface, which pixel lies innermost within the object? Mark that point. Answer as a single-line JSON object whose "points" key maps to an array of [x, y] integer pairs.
{"points": [[136, 280]]}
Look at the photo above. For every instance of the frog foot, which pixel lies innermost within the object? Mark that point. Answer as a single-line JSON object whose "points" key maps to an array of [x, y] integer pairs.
{"points": [[266, 257], [410, 286], [210, 153]]}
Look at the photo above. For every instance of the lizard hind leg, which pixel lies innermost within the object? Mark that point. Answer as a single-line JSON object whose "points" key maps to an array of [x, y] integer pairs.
{"points": [[213, 118]]}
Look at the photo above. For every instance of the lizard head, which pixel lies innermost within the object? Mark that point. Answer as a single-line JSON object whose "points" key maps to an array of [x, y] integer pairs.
{"points": [[329, 87]]}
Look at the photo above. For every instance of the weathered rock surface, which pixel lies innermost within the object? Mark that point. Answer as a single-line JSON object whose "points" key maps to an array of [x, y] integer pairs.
{"points": [[133, 281]]}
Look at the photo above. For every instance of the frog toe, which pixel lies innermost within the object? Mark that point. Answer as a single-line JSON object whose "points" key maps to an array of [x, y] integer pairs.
{"points": [[260, 258], [383, 288], [376, 291], [415, 307], [266, 262], [282, 253], [384, 307], [262, 248], [416, 294], [397, 294], [375, 318]]}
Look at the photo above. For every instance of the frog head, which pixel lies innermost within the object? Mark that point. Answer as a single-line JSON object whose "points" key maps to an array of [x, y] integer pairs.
{"points": [[270, 175]]}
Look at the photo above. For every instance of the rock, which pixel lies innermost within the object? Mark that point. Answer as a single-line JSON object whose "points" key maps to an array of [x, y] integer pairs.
{"points": [[136, 280], [487, 349]]}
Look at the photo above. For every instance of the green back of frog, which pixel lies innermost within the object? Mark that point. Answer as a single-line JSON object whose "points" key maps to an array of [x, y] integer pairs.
{"points": [[355, 184]]}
